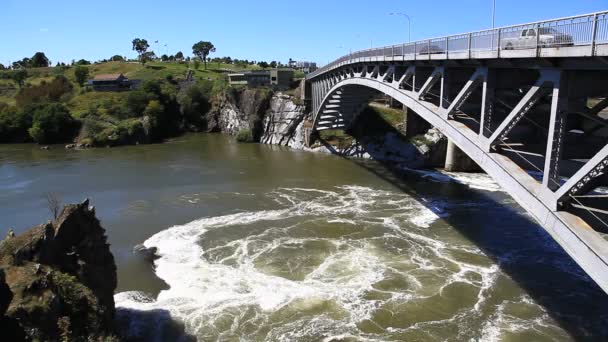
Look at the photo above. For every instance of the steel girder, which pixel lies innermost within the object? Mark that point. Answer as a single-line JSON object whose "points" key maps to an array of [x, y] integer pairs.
{"points": [[347, 90]]}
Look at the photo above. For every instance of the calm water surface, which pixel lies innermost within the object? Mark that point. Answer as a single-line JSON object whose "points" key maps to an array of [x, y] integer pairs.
{"points": [[264, 243]]}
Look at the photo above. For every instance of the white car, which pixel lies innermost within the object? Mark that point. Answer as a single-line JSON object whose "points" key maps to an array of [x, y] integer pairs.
{"points": [[528, 39]]}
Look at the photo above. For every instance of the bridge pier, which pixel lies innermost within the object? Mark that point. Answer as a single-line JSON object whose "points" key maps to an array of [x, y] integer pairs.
{"points": [[457, 161]]}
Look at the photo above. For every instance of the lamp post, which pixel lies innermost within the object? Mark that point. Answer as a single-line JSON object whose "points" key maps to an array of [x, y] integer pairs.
{"points": [[409, 23], [494, 14]]}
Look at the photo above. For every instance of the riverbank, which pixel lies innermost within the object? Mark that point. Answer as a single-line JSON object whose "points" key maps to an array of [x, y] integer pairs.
{"points": [[52, 109]]}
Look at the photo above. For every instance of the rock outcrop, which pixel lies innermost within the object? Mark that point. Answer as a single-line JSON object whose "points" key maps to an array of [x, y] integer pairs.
{"points": [[58, 280], [283, 123], [235, 110]]}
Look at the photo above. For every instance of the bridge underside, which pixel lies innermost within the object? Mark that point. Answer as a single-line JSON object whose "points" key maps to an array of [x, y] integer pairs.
{"points": [[538, 127]]}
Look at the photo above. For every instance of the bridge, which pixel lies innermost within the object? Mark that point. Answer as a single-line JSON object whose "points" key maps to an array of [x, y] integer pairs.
{"points": [[527, 103]]}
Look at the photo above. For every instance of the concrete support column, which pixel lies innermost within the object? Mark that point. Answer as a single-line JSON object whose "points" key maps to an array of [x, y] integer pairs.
{"points": [[450, 157], [458, 161]]}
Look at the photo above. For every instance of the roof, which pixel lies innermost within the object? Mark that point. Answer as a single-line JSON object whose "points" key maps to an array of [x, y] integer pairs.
{"points": [[107, 77]]}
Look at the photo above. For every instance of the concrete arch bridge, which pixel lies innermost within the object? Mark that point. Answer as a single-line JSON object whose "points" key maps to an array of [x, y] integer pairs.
{"points": [[527, 103]]}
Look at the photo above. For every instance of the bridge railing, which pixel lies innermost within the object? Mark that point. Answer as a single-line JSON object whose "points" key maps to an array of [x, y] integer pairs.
{"points": [[578, 36]]}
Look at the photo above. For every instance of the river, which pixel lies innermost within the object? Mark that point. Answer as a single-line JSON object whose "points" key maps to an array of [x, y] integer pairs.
{"points": [[264, 243]]}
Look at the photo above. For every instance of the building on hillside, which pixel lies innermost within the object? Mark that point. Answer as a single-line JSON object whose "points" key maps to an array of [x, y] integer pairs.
{"points": [[276, 78], [303, 66], [111, 82]]}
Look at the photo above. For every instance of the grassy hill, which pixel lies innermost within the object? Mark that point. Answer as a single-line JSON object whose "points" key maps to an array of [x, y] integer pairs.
{"points": [[159, 108], [132, 70]]}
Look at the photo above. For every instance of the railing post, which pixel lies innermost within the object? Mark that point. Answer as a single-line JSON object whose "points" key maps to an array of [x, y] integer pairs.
{"points": [[469, 44], [538, 40], [498, 43], [594, 34]]}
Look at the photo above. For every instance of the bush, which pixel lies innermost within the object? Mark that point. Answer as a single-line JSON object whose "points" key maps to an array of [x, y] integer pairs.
{"points": [[14, 124], [53, 91], [244, 136], [137, 102], [82, 74], [194, 104], [52, 123]]}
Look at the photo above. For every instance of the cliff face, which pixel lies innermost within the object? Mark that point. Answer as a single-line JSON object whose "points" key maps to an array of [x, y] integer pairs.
{"points": [[59, 279], [276, 119], [236, 110], [284, 123]]}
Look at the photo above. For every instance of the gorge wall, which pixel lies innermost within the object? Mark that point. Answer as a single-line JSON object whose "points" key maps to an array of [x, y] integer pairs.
{"points": [[279, 119]]}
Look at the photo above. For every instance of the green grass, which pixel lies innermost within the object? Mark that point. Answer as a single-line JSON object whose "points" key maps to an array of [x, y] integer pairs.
{"points": [[394, 117], [80, 104]]}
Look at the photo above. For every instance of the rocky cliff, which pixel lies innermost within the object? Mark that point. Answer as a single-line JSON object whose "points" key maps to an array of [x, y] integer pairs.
{"points": [[57, 280], [278, 119], [234, 110]]}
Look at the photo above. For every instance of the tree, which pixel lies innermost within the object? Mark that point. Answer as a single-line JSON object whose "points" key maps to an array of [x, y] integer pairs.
{"points": [[137, 102], [273, 64], [53, 202], [53, 123], [2, 67], [141, 46], [202, 50], [22, 64], [19, 77], [82, 74], [263, 65], [197, 64], [179, 55], [39, 60], [164, 58], [147, 56], [117, 58], [82, 62]]}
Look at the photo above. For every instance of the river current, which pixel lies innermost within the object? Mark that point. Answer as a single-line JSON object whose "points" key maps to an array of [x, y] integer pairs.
{"points": [[260, 243]]}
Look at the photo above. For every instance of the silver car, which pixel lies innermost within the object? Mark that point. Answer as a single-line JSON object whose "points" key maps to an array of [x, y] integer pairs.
{"points": [[528, 39]]}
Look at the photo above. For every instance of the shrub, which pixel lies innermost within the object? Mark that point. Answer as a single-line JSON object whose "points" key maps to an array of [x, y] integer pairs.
{"points": [[244, 136], [14, 124], [194, 103], [46, 91], [82, 74], [137, 102], [52, 123]]}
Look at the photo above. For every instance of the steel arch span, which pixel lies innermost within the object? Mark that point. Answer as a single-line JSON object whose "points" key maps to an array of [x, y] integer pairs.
{"points": [[481, 109]]}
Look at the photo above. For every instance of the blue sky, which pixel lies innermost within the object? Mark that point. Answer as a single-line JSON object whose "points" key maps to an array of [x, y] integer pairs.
{"points": [[318, 30]]}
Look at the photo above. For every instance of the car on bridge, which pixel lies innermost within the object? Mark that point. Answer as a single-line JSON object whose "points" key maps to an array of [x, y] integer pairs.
{"points": [[431, 50], [528, 39]]}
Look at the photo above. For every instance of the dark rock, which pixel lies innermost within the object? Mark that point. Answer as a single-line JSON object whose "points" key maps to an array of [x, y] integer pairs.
{"points": [[148, 254], [61, 276]]}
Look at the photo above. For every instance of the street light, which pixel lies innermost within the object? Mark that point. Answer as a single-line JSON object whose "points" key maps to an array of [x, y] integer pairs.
{"points": [[409, 22], [493, 14]]}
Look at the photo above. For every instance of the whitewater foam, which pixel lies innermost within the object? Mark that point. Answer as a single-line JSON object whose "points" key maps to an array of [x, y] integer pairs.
{"points": [[205, 293]]}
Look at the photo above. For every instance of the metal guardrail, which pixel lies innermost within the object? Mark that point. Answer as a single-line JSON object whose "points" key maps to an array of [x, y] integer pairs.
{"points": [[588, 30]]}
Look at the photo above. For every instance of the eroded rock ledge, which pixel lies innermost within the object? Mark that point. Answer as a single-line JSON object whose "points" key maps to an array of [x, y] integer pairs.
{"points": [[57, 280]]}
